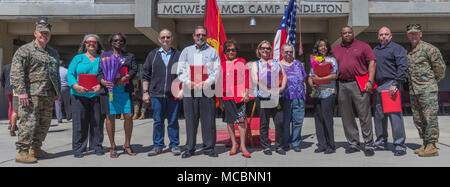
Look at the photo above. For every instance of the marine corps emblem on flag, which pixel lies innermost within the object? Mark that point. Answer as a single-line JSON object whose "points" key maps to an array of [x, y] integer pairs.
{"points": [[213, 43]]}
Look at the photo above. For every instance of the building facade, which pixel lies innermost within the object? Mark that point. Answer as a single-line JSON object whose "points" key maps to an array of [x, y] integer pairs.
{"points": [[141, 20]]}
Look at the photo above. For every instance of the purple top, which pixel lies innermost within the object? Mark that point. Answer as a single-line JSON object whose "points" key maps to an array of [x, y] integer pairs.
{"points": [[295, 76]]}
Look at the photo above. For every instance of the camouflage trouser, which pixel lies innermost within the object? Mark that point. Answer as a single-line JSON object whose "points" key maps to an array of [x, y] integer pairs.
{"points": [[34, 122], [425, 111], [137, 104]]}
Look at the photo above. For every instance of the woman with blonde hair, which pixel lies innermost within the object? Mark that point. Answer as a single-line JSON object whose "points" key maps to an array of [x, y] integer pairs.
{"points": [[269, 78]]}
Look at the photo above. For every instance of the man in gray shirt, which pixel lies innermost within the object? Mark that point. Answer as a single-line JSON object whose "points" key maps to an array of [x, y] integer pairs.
{"points": [[65, 95], [199, 101]]}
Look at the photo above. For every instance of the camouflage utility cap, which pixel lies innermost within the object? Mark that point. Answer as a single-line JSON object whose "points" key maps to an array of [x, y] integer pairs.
{"points": [[43, 25], [413, 28]]}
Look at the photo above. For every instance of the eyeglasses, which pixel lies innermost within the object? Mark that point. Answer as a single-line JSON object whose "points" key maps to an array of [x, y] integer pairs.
{"points": [[287, 52], [198, 35], [231, 50], [91, 42], [118, 40], [165, 37], [265, 48]]}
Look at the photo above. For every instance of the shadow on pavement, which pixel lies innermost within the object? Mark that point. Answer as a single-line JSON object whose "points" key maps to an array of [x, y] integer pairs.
{"points": [[413, 146]]}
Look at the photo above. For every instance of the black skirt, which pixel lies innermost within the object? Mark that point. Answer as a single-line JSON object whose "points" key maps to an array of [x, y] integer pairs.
{"points": [[234, 113]]}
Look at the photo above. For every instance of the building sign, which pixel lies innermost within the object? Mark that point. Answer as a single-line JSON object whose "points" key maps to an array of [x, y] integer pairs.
{"points": [[252, 8]]}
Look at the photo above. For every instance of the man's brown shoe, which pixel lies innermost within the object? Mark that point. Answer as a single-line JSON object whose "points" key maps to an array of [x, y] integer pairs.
{"points": [[430, 150], [39, 153], [25, 158], [135, 116]]}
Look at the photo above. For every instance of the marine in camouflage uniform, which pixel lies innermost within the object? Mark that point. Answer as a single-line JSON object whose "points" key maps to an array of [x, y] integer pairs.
{"points": [[35, 72], [426, 68]]}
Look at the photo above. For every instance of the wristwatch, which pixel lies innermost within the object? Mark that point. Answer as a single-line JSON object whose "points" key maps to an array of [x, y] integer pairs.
{"points": [[372, 82]]}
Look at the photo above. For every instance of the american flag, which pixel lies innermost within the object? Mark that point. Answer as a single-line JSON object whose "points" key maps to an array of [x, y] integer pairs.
{"points": [[286, 31]]}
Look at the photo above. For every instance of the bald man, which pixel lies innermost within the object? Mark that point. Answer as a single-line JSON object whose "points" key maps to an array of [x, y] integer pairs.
{"points": [[392, 64], [156, 88]]}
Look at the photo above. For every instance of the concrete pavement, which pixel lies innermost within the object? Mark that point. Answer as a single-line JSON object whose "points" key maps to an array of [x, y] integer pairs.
{"points": [[59, 141]]}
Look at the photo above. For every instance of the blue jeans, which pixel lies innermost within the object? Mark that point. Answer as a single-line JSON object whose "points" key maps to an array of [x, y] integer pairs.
{"points": [[294, 110], [165, 108]]}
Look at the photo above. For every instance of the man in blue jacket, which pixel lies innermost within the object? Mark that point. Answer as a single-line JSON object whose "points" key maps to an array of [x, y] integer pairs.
{"points": [[156, 86]]}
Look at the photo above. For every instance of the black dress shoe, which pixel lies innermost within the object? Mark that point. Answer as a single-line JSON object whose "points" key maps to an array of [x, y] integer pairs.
{"points": [[213, 154], [187, 154], [280, 151], [369, 152], [78, 155], [267, 152], [297, 149], [399, 153], [329, 151], [352, 150], [99, 152], [319, 150]]}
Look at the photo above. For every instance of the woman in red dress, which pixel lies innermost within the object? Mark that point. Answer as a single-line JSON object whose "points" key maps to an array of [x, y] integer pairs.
{"points": [[235, 75]]}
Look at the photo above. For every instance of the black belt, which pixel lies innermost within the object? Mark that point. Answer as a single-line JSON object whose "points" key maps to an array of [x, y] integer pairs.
{"points": [[348, 80], [381, 82]]}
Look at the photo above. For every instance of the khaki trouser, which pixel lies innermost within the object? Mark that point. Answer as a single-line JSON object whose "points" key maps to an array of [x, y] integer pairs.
{"points": [[350, 95]]}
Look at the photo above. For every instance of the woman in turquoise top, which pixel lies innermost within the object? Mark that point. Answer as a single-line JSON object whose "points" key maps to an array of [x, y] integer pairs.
{"points": [[86, 112]]}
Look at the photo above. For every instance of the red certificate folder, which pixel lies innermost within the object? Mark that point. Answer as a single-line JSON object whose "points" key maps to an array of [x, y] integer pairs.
{"points": [[123, 72], [391, 104], [362, 81], [88, 81], [322, 71], [198, 74]]}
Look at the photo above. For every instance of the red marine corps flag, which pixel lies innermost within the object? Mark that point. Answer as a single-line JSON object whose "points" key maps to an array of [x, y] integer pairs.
{"points": [[213, 23], [216, 34]]}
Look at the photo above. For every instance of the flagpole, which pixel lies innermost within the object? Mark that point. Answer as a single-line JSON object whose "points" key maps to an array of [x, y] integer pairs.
{"points": [[205, 11], [300, 46]]}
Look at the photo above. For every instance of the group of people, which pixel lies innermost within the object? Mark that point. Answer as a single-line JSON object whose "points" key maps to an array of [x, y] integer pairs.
{"points": [[194, 77]]}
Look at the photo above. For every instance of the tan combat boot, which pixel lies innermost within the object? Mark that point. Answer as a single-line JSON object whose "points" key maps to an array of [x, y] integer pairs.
{"points": [[430, 150], [25, 158], [135, 116], [421, 149], [142, 116], [121, 117], [39, 153]]}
